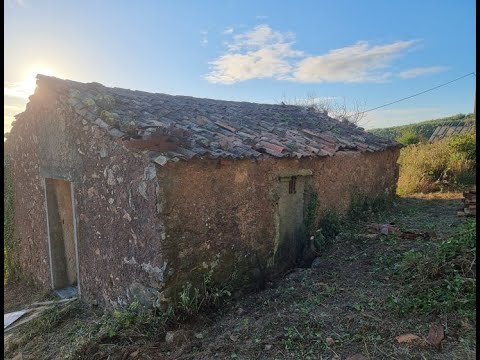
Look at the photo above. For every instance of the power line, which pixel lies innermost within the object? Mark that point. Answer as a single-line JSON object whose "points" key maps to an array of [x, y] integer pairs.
{"points": [[423, 92]]}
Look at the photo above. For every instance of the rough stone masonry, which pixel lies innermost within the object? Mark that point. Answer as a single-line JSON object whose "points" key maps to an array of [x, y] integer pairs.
{"points": [[170, 190]]}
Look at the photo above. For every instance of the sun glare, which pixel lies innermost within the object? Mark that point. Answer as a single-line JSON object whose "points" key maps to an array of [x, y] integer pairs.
{"points": [[30, 81]]}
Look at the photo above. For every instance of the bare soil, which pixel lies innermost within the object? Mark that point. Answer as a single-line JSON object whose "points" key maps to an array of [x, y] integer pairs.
{"points": [[334, 311]]}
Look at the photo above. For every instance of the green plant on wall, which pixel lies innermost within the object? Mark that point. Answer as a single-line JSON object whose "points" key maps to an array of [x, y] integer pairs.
{"points": [[310, 214], [8, 221], [321, 234]]}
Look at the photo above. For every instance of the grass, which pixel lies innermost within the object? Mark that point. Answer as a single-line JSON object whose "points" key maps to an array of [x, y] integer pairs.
{"points": [[45, 323], [78, 331], [439, 278]]}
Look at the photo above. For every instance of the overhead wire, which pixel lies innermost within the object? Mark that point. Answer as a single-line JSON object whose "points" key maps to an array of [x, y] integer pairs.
{"points": [[422, 92]]}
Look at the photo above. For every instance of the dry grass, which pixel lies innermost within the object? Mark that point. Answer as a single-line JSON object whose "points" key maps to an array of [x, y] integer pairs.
{"points": [[436, 195], [445, 165]]}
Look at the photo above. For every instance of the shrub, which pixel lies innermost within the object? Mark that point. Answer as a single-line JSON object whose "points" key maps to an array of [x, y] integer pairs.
{"points": [[464, 146], [445, 164], [408, 137], [329, 227]]}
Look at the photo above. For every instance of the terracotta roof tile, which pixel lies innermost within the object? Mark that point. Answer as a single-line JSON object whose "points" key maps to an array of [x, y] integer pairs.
{"points": [[210, 128]]}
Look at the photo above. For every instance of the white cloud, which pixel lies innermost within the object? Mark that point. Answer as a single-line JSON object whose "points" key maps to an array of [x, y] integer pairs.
{"points": [[19, 89], [355, 63], [260, 36], [260, 53], [411, 73], [266, 53], [228, 30]]}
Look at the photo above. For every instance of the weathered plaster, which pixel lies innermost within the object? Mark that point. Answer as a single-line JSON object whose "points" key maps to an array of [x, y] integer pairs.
{"points": [[142, 228]]}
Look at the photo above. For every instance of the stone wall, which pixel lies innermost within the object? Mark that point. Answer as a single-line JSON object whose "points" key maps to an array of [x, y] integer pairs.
{"points": [[118, 229], [222, 216], [142, 229]]}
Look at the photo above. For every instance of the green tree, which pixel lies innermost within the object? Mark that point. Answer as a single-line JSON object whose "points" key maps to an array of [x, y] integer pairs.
{"points": [[408, 137]]}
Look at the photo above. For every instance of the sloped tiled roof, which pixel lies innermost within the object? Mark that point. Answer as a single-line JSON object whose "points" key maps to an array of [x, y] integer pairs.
{"points": [[181, 127], [441, 132]]}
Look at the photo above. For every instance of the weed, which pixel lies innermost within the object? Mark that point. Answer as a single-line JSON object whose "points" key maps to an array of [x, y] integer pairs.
{"points": [[192, 299], [441, 278], [328, 228], [330, 225], [134, 319], [362, 206], [384, 262], [292, 336], [189, 299]]}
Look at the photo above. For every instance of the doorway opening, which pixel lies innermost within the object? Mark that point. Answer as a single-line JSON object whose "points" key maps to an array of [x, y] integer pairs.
{"points": [[291, 228], [62, 237]]}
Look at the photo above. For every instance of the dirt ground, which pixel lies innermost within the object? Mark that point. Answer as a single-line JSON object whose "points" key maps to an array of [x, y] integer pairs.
{"points": [[333, 311], [19, 294]]}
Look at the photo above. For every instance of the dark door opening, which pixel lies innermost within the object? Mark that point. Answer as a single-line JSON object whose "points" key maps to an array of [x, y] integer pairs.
{"points": [[62, 240]]}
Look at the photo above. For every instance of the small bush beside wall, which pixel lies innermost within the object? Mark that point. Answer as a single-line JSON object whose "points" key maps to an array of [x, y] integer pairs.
{"points": [[448, 164]]}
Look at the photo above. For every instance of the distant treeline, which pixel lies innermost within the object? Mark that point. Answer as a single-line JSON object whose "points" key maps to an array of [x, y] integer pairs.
{"points": [[422, 129]]}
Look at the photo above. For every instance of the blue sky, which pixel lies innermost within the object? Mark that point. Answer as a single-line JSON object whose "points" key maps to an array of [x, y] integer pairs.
{"points": [[355, 52]]}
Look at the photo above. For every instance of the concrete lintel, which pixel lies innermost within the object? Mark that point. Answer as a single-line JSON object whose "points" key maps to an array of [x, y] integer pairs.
{"points": [[295, 172]]}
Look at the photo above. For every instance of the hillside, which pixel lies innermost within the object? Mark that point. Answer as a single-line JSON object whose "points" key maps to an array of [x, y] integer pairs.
{"points": [[424, 128]]}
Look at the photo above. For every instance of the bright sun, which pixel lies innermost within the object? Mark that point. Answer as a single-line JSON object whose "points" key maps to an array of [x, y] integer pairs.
{"points": [[30, 81]]}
